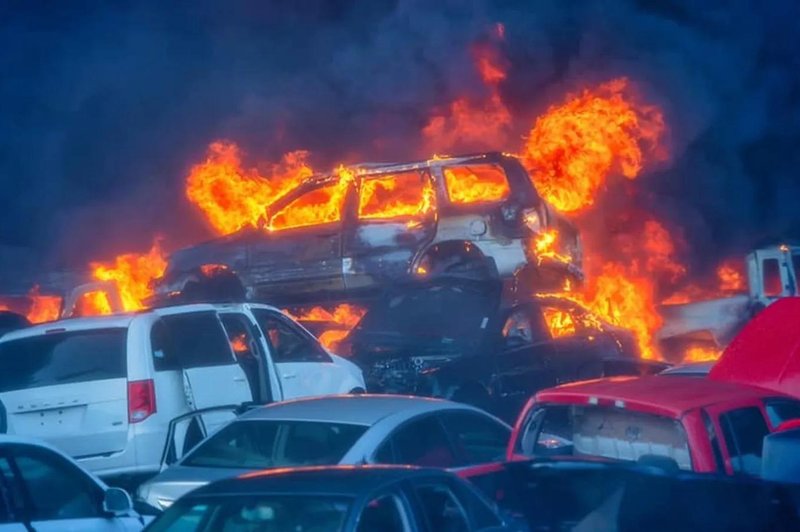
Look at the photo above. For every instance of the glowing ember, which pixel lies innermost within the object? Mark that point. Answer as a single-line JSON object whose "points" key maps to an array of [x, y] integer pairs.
{"points": [[396, 196], [232, 197], [731, 278], [341, 319], [132, 273], [700, 353], [319, 206], [573, 148], [559, 323], [478, 183], [43, 308]]}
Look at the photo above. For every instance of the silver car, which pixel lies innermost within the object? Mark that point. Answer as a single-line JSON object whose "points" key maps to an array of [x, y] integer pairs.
{"points": [[342, 429]]}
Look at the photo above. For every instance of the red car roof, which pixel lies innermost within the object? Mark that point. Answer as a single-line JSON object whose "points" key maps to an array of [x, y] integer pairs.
{"points": [[659, 394]]}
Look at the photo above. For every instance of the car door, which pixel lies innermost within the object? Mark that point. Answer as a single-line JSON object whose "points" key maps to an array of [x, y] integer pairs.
{"points": [[743, 430], [196, 344], [245, 339], [65, 385], [304, 367], [395, 219], [56, 494], [301, 250], [422, 441], [386, 511]]}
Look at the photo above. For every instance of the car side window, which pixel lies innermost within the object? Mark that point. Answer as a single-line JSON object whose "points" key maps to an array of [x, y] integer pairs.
{"points": [[477, 438], [12, 503], [744, 430], [192, 340], [781, 410], [385, 513], [57, 489], [477, 506], [476, 183], [319, 206], [399, 196], [288, 343], [443, 511], [421, 442]]}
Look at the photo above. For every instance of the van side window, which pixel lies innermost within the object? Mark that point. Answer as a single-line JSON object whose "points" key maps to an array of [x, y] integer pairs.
{"points": [[773, 284], [189, 341], [287, 343], [744, 430]]}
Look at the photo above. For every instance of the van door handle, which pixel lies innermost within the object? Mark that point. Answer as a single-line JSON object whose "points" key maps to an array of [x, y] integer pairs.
{"points": [[289, 375], [238, 379]]}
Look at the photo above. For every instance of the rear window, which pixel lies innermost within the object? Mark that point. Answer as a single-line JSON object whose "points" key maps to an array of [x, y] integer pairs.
{"points": [[477, 183], [256, 444], [615, 433], [63, 358]]}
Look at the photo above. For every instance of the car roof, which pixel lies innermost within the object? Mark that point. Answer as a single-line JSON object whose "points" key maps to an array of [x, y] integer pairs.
{"points": [[366, 168], [668, 395], [350, 481], [365, 409], [699, 369]]}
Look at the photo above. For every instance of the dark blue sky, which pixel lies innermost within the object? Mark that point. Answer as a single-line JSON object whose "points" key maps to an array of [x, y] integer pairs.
{"points": [[106, 105]]}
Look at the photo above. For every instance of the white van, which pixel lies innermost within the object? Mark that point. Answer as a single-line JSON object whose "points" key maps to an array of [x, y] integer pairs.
{"points": [[104, 389]]}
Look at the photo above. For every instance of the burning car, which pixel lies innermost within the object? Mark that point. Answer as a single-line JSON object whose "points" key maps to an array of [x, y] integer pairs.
{"points": [[487, 353], [368, 226]]}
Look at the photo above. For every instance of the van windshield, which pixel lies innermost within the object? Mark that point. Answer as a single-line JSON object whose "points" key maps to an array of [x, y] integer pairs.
{"points": [[62, 358], [596, 431]]}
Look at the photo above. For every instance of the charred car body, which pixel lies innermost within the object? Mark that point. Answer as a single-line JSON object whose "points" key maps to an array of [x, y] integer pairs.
{"points": [[356, 232], [459, 340]]}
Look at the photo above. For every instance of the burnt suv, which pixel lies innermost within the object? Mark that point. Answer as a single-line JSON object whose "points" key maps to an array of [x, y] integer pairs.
{"points": [[373, 225]]}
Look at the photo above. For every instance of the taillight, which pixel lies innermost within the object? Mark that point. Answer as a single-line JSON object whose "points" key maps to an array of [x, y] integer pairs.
{"points": [[141, 400]]}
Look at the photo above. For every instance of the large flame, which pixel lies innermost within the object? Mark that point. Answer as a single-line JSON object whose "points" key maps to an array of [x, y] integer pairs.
{"points": [[479, 183], [132, 273], [701, 353], [396, 196], [319, 206], [731, 278], [233, 197], [35, 306], [574, 147], [559, 323]]}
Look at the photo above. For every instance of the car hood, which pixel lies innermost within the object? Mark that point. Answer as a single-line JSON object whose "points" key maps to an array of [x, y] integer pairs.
{"points": [[174, 482], [766, 353]]}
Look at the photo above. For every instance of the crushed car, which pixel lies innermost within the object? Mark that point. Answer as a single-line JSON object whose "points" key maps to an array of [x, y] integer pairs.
{"points": [[475, 216], [460, 340]]}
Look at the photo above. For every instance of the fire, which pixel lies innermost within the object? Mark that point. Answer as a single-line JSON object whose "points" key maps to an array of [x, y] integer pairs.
{"points": [[239, 343], [233, 197], [342, 318], [544, 246], [132, 273], [476, 184], [43, 308], [470, 122], [396, 196], [573, 148], [93, 304], [319, 206], [730, 278], [699, 353], [559, 323]]}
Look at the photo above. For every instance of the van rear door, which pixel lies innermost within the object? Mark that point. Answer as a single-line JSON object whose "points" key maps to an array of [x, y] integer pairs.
{"points": [[68, 388], [196, 344]]}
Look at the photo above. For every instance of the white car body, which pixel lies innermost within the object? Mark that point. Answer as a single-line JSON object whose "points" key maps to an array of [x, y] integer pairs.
{"points": [[115, 420], [36, 463], [381, 416]]}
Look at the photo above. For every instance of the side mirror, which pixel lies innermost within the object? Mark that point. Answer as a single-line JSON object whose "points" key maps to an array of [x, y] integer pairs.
{"points": [[117, 502]]}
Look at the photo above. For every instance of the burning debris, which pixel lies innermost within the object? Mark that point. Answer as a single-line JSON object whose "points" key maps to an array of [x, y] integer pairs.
{"points": [[330, 325]]}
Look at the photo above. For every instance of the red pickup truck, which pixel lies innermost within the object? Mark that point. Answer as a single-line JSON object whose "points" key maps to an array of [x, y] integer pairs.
{"points": [[705, 424]]}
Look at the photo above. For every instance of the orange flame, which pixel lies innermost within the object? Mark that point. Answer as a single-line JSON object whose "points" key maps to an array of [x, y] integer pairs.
{"points": [[93, 304], [730, 278], [43, 308], [478, 183], [396, 196], [343, 318], [232, 197], [573, 148], [319, 206], [544, 246], [559, 323], [699, 353], [132, 273], [239, 343]]}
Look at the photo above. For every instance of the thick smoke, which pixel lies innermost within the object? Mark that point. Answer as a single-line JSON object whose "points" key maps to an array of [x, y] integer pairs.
{"points": [[106, 107]]}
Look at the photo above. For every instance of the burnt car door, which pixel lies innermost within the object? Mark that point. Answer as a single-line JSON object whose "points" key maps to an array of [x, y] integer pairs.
{"points": [[301, 252], [395, 219]]}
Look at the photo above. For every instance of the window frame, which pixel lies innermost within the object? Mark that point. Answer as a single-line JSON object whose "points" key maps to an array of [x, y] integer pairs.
{"points": [[322, 356], [462, 454], [333, 227], [163, 319], [389, 439], [457, 206], [427, 179], [419, 503], [736, 462], [401, 503]]}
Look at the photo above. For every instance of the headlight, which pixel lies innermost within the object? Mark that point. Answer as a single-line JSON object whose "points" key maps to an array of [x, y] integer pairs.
{"points": [[532, 220]]}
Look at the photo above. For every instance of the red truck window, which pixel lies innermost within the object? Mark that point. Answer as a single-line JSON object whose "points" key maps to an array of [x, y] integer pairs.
{"points": [[744, 430], [609, 432]]}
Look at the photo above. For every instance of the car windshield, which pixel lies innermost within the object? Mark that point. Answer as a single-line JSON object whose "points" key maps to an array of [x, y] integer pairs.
{"points": [[256, 444], [261, 512], [605, 432], [62, 358]]}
